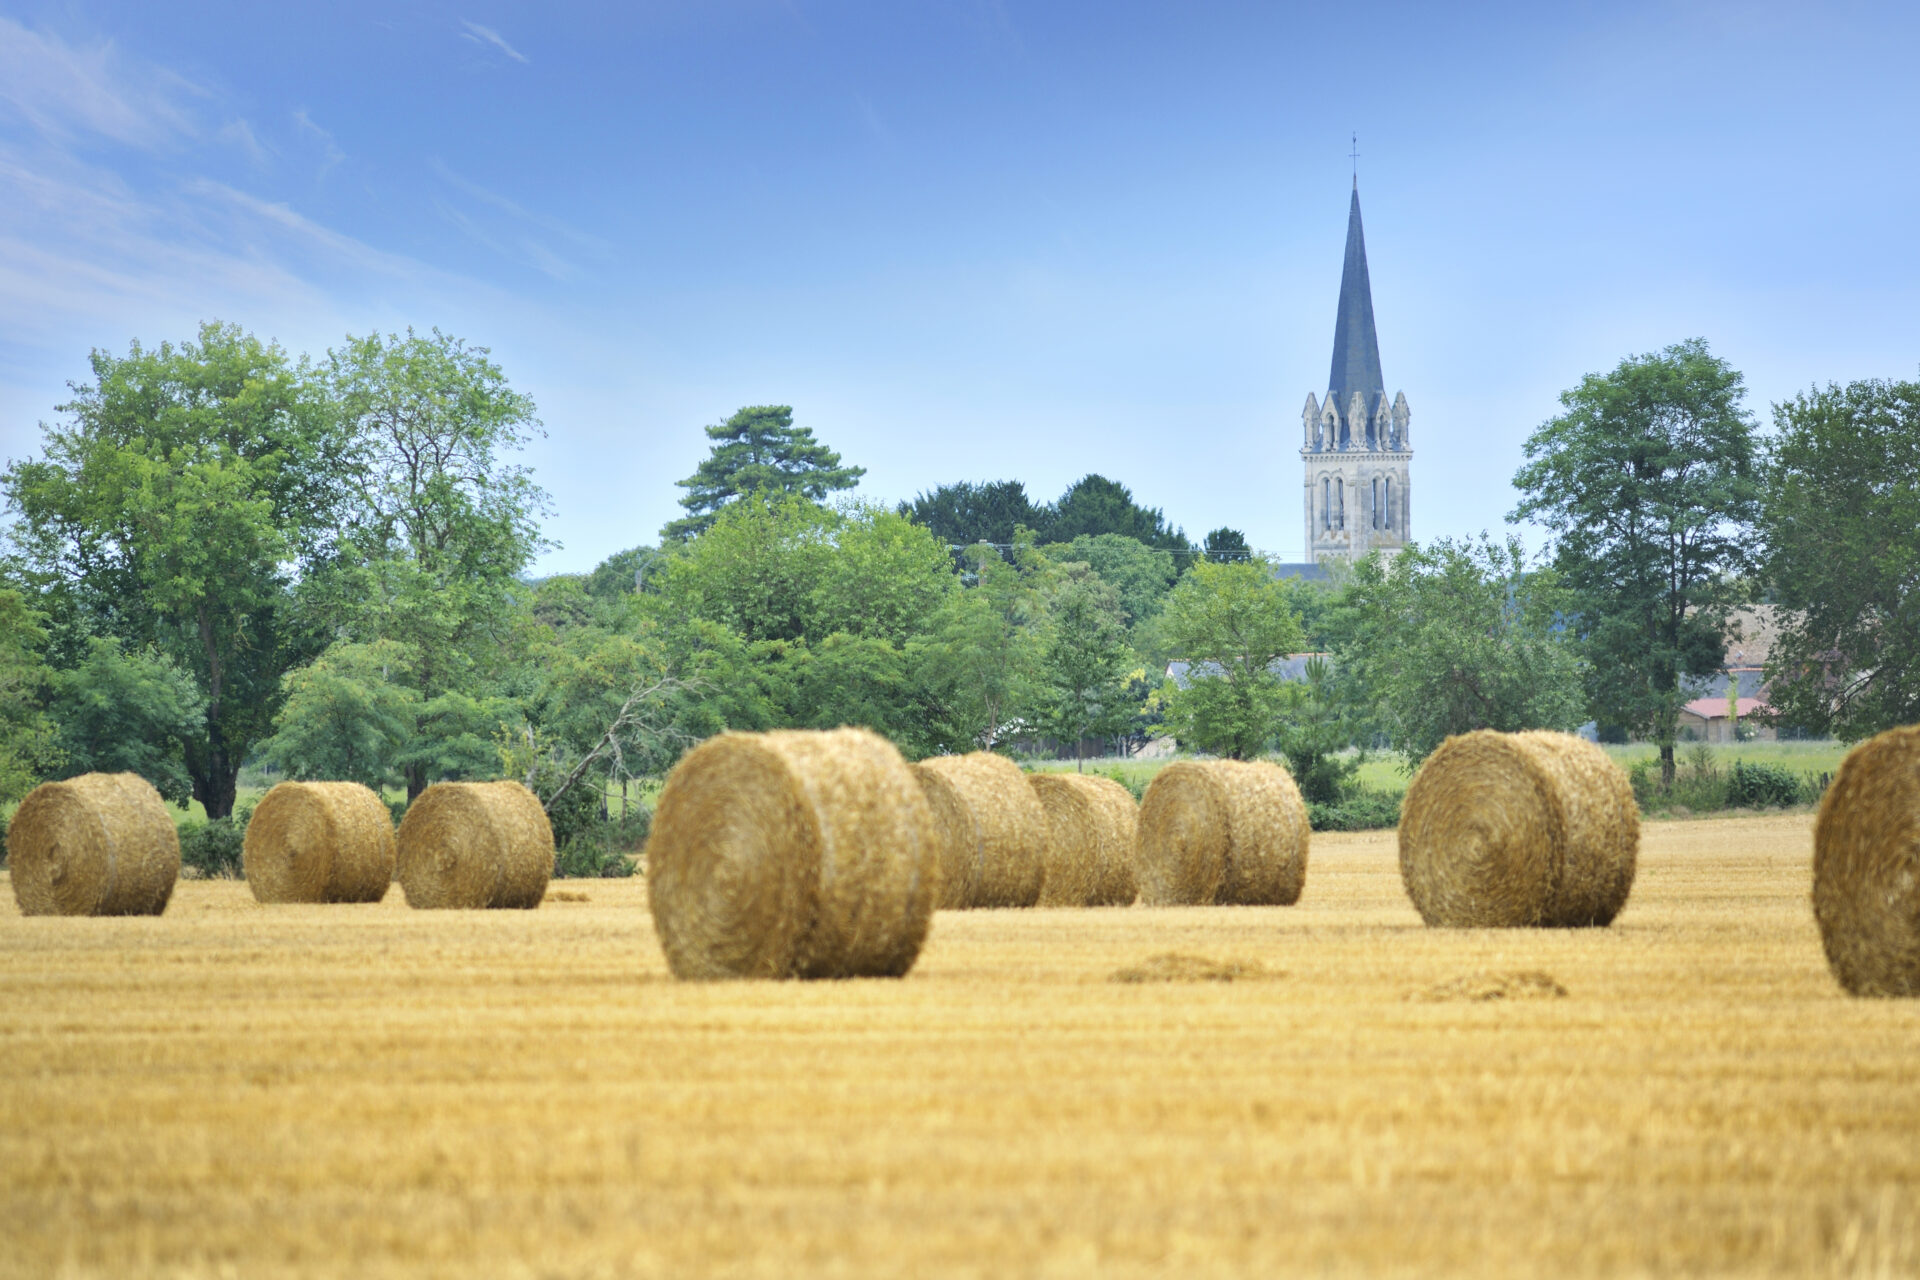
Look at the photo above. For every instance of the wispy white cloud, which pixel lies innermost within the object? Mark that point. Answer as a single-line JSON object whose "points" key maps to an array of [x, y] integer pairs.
{"points": [[66, 92], [240, 134], [494, 199], [330, 150], [487, 35]]}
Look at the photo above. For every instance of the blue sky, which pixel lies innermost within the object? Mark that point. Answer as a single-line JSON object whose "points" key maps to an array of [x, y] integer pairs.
{"points": [[971, 240]]}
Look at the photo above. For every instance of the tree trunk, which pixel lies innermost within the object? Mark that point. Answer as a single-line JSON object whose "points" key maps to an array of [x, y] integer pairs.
{"points": [[416, 781], [1080, 756], [1666, 766], [214, 786]]}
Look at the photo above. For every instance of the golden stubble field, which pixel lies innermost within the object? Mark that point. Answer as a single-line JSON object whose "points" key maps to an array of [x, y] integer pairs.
{"points": [[240, 1090]]}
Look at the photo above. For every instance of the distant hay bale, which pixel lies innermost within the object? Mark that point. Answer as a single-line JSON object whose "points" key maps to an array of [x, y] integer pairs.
{"points": [[1866, 867], [992, 830], [1517, 830], [475, 844], [320, 842], [1088, 853], [793, 854], [101, 844], [1227, 832]]}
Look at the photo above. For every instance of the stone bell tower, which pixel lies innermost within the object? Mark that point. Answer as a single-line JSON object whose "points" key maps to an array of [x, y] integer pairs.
{"points": [[1357, 451]]}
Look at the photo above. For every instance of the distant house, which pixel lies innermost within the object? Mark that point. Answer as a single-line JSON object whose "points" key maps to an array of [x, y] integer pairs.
{"points": [[1706, 718]]}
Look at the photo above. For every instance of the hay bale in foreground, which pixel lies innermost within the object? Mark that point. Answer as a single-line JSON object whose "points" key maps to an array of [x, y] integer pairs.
{"points": [[320, 842], [1866, 867], [1227, 832], [991, 827], [792, 854], [1514, 830], [1088, 854], [101, 844], [475, 844]]}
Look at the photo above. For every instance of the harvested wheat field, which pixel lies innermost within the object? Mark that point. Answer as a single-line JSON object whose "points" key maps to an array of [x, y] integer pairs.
{"points": [[234, 1089]]}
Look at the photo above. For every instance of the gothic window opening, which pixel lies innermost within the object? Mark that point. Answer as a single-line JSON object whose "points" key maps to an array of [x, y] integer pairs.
{"points": [[1386, 517], [1340, 503]]}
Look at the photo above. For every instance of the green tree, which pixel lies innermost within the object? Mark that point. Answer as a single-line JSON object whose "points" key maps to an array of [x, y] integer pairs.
{"points": [[1226, 544], [1315, 730], [442, 525], [886, 577], [757, 570], [29, 744], [347, 716], [128, 712], [967, 513], [1232, 622], [977, 661], [186, 506], [1842, 559], [1085, 662], [1140, 575], [1449, 637], [1094, 505], [1647, 482], [759, 451]]}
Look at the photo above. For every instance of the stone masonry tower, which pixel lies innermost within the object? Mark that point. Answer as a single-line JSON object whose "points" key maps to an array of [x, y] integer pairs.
{"points": [[1357, 451]]}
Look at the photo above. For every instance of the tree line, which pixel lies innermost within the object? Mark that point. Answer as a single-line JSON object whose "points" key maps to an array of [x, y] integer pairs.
{"points": [[223, 555]]}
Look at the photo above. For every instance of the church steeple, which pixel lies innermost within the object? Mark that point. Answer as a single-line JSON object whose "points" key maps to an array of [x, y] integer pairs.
{"points": [[1357, 452], [1356, 348]]}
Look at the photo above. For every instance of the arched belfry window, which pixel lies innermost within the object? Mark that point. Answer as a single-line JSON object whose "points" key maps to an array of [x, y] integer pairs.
{"points": [[1326, 503], [1340, 503], [1386, 518], [1376, 502]]}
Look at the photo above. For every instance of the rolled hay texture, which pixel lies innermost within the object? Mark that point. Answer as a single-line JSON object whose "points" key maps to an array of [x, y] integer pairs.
{"points": [[792, 854], [1226, 832], [1866, 867], [101, 844], [1088, 854], [475, 844], [993, 832], [1518, 830], [320, 842]]}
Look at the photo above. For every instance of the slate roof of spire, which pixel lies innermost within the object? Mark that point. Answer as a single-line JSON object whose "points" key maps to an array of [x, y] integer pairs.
{"points": [[1356, 348]]}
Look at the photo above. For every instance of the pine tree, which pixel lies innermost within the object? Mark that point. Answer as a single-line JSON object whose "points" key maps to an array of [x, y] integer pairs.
{"points": [[759, 450]]}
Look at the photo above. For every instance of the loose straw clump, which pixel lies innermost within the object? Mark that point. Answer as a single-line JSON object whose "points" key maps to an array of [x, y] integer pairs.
{"points": [[1512, 830], [1866, 867], [1089, 847], [100, 844], [1230, 832], [320, 842], [792, 854], [475, 844], [991, 827]]}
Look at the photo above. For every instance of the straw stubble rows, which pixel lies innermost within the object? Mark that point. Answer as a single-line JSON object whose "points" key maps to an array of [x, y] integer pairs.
{"points": [[367, 1090]]}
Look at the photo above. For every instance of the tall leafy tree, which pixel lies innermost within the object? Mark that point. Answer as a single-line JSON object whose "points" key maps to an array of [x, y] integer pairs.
{"points": [[30, 745], [1226, 544], [1140, 575], [1086, 662], [348, 715], [186, 505], [1316, 728], [759, 450], [124, 711], [443, 522], [1232, 622], [979, 657], [968, 512], [1842, 558], [1094, 505], [1647, 482], [1450, 636]]}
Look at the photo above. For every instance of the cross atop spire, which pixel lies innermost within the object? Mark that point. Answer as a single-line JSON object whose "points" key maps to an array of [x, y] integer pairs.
{"points": [[1356, 348], [1354, 155]]}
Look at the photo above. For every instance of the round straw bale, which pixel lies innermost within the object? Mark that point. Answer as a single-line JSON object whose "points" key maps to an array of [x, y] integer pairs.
{"points": [[792, 854], [475, 844], [320, 842], [1231, 832], [992, 829], [1866, 867], [100, 844], [1512, 830], [1089, 849]]}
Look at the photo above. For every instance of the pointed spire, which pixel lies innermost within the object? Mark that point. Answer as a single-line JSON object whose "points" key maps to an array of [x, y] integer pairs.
{"points": [[1356, 348]]}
